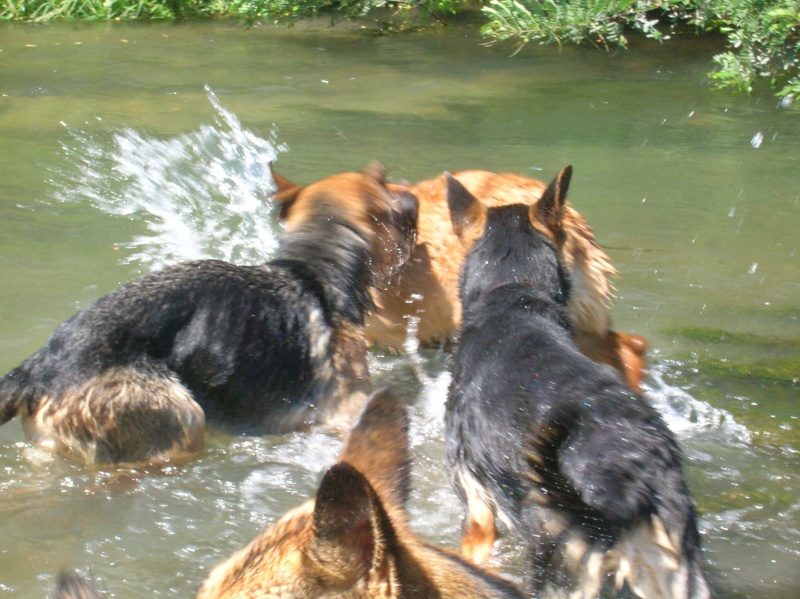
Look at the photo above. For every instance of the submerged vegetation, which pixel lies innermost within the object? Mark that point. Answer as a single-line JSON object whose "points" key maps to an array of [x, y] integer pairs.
{"points": [[763, 36]]}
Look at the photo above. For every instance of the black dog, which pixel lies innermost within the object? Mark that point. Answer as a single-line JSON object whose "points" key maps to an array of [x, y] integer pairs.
{"points": [[252, 349], [545, 439]]}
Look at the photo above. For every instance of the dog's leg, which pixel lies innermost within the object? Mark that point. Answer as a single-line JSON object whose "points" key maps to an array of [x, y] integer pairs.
{"points": [[621, 351], [631, 350], [350, 382], [479, 529]]}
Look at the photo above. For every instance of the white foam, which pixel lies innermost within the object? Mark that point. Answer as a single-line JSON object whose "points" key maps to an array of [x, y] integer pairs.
{"points": [[200, 195], [687, 416]]}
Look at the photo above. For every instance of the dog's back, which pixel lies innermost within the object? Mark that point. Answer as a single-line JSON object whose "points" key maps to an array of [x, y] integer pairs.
{"points": [[353, 540], [549, 441]]}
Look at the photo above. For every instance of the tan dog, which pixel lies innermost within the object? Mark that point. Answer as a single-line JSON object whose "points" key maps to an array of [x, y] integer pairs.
{"points": [[427, 288], [353, 540]]}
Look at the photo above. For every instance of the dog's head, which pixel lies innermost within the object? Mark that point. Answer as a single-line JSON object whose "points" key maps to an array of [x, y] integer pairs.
{"points": [[386, 217], [345, 542], [515, 243]]}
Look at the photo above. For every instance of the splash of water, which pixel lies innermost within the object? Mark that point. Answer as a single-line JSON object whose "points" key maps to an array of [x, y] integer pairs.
{"points": [[199, 194], [687, 416]]}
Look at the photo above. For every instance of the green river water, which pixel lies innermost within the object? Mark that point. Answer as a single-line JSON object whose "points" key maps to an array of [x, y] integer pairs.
{"points": [[124, 147]]}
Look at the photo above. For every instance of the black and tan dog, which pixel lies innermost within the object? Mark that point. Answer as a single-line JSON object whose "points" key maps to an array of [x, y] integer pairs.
{"points": [[251, 349], [545, 439], [353, 540]]}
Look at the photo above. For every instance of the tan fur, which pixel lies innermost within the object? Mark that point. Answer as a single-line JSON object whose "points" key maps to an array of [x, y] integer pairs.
{"points": [[351, 378], [645, 559], [427, 288], [362, 201], [141, 414], [479, 530], [322, 549]]}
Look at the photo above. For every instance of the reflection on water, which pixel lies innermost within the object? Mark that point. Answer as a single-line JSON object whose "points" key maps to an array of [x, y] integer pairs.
{"points": [[175, 167]]}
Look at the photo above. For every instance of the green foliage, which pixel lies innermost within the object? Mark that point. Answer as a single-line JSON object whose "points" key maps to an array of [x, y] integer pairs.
{"points": [[600, 22], [49, 10], [763, 35], [292, 11]]}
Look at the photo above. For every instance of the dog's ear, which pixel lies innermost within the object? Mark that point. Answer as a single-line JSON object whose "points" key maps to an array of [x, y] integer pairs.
{"points": [[282, 183], [352, 533], [466, 212], [378, 447], [285, 195], [377, 171], [549, 210]]}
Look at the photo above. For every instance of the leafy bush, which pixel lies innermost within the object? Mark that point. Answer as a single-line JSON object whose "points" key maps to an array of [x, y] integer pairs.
{"points": [[290, 10], [50, 10], [600, 22], [763, 35]]}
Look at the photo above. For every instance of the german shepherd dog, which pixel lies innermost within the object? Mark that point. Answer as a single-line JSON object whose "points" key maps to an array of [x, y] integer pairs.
{"points": [[547, 440], [353, 540], [427, 288], [251, 349]]}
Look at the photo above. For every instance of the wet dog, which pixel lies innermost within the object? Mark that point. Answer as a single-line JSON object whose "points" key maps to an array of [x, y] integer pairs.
{"points": [[427, 288], [353, 540], [547, 440], [249, 349]]}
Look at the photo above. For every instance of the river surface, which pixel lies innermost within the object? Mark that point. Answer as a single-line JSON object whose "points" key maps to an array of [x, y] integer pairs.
{"points": [[124, 147]]}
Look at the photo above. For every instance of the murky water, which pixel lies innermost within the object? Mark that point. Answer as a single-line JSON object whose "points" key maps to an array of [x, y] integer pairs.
{"points": [[126, 147]]}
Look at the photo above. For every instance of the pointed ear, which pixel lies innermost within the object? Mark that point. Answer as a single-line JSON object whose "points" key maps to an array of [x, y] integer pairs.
{"points": [[352, 532], [377, 171], [281, 182], [286, 194], [378, 447], [549, 210], [466, 212]]}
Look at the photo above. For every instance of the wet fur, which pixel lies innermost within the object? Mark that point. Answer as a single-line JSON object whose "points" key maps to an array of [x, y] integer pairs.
{"points": [[71, 585], [427, 288], [545, 439], [353, 540], [251, 349]]}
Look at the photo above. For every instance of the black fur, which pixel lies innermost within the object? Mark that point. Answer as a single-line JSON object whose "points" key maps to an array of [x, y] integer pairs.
{"points": [[254, 345], [548, 434]]}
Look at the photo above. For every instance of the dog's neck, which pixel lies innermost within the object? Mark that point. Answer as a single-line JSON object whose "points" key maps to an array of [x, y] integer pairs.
{"points": [[337, 257], [521, 296]]}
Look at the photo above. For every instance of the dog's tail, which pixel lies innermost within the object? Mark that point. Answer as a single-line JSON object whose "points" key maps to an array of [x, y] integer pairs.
{"points": [[659, 563], [75, 586], [378, 447], [15, 391]]}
